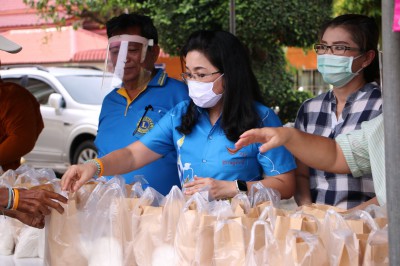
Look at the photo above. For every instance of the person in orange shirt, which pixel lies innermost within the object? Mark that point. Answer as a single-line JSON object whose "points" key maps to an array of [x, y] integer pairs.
{"points": [[20, 126]]}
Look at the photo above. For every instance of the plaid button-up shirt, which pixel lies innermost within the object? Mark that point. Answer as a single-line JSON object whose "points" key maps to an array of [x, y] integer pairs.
{"points": [[318, 116]]}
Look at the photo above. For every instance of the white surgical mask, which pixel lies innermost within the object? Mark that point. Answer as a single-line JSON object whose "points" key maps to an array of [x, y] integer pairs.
{"points": [[335, 69], [202, 93]]}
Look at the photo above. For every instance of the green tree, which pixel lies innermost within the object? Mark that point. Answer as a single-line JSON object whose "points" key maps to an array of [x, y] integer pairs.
{"points": [[371, 8], [264, 26]]}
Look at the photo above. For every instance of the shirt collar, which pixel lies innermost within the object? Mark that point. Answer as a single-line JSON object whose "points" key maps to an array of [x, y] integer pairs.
{"points": [[159, 79]]}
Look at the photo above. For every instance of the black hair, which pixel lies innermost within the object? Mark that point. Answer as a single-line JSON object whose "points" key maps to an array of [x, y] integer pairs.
{"points": [[365, 33], [116, 25], [241, 89]]}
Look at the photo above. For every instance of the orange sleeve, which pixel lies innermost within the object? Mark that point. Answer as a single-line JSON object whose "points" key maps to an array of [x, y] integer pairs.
{"points": [[20, 121]]}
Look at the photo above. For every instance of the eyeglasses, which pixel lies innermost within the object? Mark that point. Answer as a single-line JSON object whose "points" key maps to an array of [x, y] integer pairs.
{"points": [[196, 76], [336, 49]]}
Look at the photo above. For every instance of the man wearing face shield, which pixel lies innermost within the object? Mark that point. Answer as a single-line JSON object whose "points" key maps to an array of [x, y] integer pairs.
{"points": [[142, 94]]}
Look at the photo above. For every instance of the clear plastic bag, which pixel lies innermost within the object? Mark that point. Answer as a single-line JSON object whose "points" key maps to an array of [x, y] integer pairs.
{"points": [[303, 248], [188, 229], [263, 249], [146, 225]]}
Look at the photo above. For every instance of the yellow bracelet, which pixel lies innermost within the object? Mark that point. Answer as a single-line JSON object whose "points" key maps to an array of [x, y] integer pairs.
{"points": [[16, 199]]}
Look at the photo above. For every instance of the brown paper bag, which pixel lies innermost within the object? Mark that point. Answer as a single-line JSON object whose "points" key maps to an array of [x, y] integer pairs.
{"points": [[129, 255], [62, 247], [231, 238], [344, 248], [186, 236], [319, 210], [148, 234], [303, 248], [263, 249], [187, 230], [204, 251], [301, 222], [377, 248]]}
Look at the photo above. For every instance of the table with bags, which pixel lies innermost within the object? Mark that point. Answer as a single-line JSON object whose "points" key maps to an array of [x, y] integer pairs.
{"points": [[112, 223]]}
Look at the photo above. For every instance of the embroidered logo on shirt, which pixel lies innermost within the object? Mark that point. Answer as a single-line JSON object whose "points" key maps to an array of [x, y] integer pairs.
{"points": [[145, 125]]}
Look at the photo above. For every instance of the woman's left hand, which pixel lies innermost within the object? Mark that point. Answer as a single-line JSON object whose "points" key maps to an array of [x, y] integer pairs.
{"points": [[218, 189]]}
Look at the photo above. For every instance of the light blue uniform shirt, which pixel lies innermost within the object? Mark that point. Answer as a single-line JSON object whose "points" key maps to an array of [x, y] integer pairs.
{"points": [[120, 116], [204, 152]]}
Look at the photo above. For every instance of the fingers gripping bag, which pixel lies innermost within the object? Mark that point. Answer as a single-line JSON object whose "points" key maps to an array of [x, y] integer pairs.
{"points": [[188, 229], [30, 242], [146, 225]]}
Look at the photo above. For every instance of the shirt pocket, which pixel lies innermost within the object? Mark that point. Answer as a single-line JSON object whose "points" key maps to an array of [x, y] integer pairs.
{"points": [[156, 113], [149, 119]]}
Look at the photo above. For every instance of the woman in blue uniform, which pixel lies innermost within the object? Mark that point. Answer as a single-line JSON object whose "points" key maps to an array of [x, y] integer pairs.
{"points": [[225, 102]]}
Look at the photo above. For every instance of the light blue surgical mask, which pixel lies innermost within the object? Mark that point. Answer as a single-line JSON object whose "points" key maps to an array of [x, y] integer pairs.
{"points": [[335, 69]]}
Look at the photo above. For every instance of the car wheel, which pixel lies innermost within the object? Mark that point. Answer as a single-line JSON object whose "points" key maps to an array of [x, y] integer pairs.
{"points": [[85, 151]]}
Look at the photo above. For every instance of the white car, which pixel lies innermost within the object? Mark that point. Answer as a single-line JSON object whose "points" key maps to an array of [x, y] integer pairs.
{"points": [[70, 101]]}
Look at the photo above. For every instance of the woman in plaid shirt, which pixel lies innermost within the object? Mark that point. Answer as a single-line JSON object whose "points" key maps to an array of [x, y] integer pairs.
{"points": [[347, 58]]}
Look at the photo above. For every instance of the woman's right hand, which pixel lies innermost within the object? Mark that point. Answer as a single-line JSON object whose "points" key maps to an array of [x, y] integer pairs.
{"points": [[37, 202], [77, 175]]}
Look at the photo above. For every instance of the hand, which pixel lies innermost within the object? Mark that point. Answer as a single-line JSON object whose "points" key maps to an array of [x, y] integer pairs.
{"points": [[77, 175], [218, 189], [34, 221], [28, 219], [37, 202], [272, 137]]}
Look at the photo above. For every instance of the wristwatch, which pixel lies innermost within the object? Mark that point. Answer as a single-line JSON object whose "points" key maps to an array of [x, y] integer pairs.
{"points": [[241, 186]]}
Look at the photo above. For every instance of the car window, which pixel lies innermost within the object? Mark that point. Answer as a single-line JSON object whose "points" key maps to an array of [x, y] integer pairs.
{"points": [[41, 90], [85, 89]]}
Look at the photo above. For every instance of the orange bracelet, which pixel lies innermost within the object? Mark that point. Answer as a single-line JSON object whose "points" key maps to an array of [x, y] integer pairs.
{"points": [[16, 198], [101, 167]]}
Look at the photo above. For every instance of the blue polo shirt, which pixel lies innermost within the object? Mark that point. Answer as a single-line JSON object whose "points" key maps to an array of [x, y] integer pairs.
{"points": [[120, 117], [204, 152]]}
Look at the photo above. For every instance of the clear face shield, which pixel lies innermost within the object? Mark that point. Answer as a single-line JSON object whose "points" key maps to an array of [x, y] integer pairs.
{"points": [[124, 62]]}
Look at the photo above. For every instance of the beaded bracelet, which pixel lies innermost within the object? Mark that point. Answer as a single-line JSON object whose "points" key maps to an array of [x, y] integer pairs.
{"points": [[16, 199], [99, 165], [10, 198]]}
